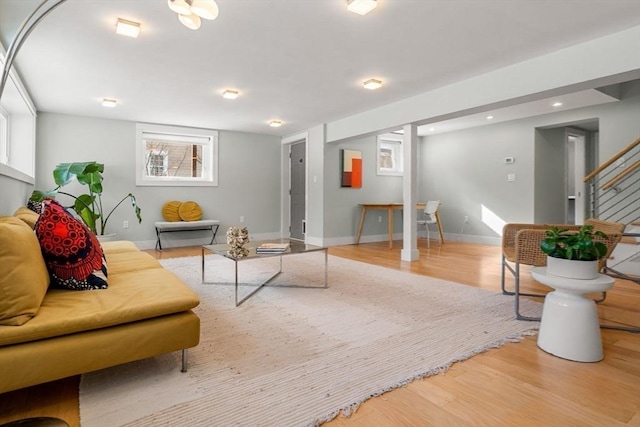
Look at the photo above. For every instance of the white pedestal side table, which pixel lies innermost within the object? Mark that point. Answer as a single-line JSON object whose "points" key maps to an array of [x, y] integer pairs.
{"points": [[569, 327]]}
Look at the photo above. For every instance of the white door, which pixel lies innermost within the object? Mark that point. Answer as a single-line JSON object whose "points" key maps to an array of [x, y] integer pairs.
{"points": [[298, 214], [576, 159]]}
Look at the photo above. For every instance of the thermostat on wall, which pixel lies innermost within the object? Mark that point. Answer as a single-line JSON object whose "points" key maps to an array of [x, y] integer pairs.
{"points": [[509, 160]]}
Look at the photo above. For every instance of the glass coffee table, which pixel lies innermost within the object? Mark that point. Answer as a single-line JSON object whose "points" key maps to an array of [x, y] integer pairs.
{"points": [[295, 248]]}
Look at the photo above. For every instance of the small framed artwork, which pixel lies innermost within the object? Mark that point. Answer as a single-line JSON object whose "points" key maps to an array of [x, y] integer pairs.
{"points": [[390, 159], [351, 168]]}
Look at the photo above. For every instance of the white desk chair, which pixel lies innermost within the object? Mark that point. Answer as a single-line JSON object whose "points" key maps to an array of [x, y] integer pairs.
{"points": [[431, 216]]}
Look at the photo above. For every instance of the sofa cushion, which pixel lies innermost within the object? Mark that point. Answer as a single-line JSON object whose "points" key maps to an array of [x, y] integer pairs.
{"points": [[27, 215], [131, 296], [71, 252], [23, 275], [118, 246]]}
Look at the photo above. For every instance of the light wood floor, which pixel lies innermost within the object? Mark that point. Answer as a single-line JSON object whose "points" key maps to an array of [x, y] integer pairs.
{"points": [[515, 385]]}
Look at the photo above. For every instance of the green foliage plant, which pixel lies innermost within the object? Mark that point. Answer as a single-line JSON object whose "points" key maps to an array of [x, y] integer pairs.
{"points": [[88, 206], [574, 245]]}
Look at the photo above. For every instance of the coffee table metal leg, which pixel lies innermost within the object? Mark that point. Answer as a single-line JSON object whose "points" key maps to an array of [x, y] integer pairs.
{"points": [[246, 297]]}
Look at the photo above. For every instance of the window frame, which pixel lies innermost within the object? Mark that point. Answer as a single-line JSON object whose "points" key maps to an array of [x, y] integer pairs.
{"points": [[393, 142], [207, 138], [18, 150]]}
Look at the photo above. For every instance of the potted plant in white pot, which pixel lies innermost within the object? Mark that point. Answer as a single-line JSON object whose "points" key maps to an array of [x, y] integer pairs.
{"points": [[573, 254], [88, 206]]}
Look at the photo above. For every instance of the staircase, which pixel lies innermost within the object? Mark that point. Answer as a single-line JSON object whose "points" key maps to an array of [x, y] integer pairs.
{"points": [[614, 189]]}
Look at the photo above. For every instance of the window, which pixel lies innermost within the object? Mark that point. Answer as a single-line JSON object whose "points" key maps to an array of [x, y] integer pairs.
{"points": [[17, 129], [176, 156], [390, 159]]}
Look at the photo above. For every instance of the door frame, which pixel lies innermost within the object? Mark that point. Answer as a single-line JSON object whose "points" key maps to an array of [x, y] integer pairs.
{"points": [[285, 181]]}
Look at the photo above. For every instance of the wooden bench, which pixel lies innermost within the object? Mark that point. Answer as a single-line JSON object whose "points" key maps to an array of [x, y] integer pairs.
{"points": [[169, 226]]}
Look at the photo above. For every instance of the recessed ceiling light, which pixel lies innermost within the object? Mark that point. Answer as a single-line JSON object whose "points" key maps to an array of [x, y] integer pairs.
{"points": [[489, 117], [230, 94], [106, 102], [372, 84], [127, 28], [431, 129], [361, 7], [275, 123], [557, 104]]}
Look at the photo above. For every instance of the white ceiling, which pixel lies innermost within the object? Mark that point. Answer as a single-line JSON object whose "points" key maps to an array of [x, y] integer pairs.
{"points": [[299, 61]]}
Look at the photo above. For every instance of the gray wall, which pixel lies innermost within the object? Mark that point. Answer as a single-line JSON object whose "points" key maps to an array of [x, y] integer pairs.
{"points": [[13, 194], [466, 169], [341, 209], [249, 176]]}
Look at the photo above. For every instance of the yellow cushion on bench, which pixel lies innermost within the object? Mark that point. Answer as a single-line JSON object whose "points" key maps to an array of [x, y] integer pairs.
{"points": [[190, 211], [170, 211]]}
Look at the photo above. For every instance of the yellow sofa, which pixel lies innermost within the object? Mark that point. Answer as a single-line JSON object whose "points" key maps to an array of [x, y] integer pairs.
{"points": [[145, 311]]}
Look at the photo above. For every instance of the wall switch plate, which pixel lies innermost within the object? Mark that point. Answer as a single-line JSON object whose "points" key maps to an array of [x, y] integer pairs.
{"points": [[125, 224], [242, 218], [511, 177]]}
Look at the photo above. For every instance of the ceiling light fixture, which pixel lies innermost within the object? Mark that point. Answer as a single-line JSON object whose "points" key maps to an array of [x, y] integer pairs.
{"points": [[106, 102], [275, 123], [127, 28], [489, 117], [372, 84], [361, 7], [190, 11], [557, 104], [230, 94]]}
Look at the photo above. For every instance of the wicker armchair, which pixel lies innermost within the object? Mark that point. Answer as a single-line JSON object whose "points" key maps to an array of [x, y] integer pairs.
{"points": [[521, 245]]}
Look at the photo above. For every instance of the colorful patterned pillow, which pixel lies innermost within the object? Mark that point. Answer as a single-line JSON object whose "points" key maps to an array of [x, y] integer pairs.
{"points": [[71, 252]]}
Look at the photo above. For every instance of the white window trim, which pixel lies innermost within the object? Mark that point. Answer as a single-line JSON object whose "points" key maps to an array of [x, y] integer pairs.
{"points": [[384, 141], [5, 123], [178, 133], [25, 168]]}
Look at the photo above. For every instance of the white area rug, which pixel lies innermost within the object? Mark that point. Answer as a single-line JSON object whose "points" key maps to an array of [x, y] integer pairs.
{"points": [[299, 357]]}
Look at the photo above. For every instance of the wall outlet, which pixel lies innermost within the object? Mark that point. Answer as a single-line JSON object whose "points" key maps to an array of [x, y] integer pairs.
{"points": [[125, 224], [466, 219], [511, 177], [379, 218], [242, 218]]}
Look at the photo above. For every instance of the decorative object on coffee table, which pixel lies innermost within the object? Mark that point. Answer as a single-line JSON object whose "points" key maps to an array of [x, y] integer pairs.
{"points": [[237, 237]]}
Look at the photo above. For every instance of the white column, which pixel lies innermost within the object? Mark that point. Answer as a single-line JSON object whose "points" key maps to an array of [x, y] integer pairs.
{"points": [[410, 195]]}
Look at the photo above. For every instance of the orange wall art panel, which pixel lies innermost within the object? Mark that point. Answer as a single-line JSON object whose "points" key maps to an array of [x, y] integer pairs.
{"points": [[351, 168]]}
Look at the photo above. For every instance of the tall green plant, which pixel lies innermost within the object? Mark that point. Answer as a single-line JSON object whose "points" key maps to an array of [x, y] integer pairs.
{"points": [[88, 206], [576, 245]]}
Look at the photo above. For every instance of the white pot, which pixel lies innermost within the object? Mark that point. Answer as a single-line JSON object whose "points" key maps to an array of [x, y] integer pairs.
{"points": [[572, 269]]}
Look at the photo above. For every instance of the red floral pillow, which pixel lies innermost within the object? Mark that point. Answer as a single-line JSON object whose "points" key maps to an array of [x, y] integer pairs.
{"points": [[71, 252]]}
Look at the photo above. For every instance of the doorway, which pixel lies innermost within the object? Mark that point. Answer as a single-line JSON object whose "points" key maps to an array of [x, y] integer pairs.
{"points": [[564, 155], [575, 161], [297, 190]]}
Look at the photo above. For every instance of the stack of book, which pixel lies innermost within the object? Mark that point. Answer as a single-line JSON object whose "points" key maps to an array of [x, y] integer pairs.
{"points": [[272, 248]]}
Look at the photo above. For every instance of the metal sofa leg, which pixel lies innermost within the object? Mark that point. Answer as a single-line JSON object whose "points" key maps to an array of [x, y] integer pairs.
{"points": [[185, 357]]}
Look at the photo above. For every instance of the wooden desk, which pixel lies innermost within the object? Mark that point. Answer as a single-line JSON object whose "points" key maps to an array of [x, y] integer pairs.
{"points": [[389, 207]]}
